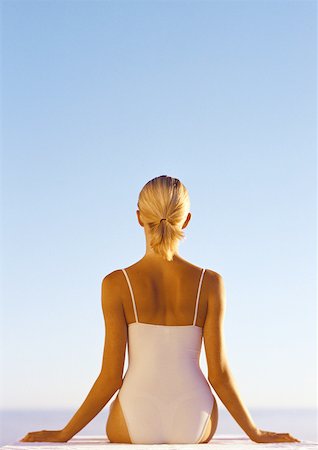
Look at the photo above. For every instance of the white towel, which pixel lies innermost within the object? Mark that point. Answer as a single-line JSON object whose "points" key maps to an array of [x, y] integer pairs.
{"points": [[233, 442]]}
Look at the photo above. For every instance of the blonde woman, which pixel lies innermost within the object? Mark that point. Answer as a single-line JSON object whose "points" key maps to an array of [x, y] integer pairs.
{"points": [[163, 306]]}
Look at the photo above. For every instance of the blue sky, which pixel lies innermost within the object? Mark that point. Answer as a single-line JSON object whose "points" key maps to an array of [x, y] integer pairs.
{"points": [[101, 96]]}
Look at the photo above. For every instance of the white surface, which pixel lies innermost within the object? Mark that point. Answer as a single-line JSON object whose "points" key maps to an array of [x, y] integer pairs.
{"points": [[235, 442]]}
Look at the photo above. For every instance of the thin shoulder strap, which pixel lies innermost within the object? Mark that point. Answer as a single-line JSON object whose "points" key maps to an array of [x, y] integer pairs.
{"points": [[198, 296], [131, 293]]}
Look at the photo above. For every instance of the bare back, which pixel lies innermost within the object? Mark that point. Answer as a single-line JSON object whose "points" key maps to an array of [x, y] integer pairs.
{"points": [[165, 294]]}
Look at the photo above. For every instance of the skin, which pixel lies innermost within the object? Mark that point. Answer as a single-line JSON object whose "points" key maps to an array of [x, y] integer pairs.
{"points": [[118, 312]]}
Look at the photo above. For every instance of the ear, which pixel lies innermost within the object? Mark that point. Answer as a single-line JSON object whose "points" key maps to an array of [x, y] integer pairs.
{"points": [[138, 216], [187, 220]]}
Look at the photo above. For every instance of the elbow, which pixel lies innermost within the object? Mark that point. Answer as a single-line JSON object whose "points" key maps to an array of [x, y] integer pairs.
{"points": [[219, 377], [112, 382], [117, 383]]}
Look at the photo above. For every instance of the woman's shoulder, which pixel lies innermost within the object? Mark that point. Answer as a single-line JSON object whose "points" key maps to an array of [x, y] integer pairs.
{"points": [[210, 274], [213, 275], [214, 281], [112, 278]]}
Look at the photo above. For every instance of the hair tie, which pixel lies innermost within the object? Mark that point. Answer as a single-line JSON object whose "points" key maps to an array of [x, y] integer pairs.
{"points": [[162, 219]]}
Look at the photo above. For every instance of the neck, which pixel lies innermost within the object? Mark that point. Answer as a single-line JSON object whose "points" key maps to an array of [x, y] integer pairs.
{"points": [[151, 254]]}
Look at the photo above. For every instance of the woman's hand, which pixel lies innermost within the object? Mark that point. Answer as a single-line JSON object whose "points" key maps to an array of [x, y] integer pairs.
{"points": [[45, 436], [261, 436]]}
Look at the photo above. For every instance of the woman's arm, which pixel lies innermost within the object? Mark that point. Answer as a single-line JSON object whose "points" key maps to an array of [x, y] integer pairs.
{"points": [[110, 377], [97, 398], [219, 373]]}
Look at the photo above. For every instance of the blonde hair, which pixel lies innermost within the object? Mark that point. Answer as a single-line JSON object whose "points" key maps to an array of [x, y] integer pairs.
{"points": [[164, 204]]}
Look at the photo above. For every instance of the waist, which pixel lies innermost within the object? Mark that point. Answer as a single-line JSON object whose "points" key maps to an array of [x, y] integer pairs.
{"points": [[153, 375]]}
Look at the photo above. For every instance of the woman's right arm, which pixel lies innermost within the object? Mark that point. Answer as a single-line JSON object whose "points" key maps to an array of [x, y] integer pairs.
{"points": [[219, 373]]}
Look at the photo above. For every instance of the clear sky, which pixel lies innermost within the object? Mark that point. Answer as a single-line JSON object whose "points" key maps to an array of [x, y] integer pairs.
{"points": [[101, 96]]}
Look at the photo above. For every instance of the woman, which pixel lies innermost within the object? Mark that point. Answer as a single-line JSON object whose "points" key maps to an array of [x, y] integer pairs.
{"points": [[162, 305]]}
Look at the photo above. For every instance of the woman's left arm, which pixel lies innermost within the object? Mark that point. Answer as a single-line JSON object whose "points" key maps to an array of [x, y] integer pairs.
{"points": [[110, 377]]}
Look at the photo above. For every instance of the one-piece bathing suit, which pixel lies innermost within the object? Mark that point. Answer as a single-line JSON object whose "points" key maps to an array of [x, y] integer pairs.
{"points": [[165, 397]]}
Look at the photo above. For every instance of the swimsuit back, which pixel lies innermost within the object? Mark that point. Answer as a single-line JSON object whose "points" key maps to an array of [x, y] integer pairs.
{"points": [[165, 397]]}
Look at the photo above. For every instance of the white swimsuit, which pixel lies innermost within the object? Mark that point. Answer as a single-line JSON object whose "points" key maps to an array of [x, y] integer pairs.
{"points": [[165, 397]]}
